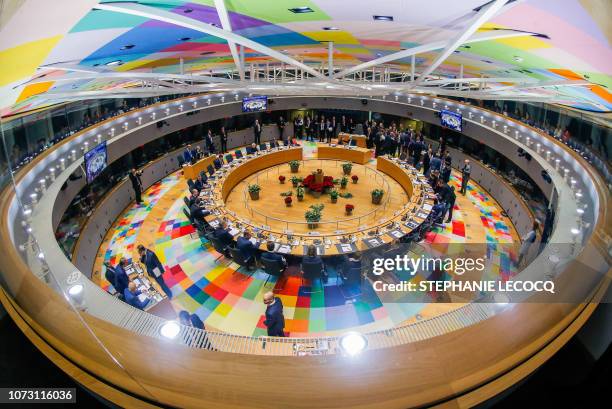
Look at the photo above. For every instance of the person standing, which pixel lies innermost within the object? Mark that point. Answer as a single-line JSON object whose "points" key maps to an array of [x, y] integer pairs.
{"points": [[257, 131], [329, 130], [466, 170], [527, 241], [136, 184], [426, 162], [322, 129], [223, 137], [452, 197], [154, 268], [210, 145], [275, 320], [308, 128], [121, 278], [281, 128]]}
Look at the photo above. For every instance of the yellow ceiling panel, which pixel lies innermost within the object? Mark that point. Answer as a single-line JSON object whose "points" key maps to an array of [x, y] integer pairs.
{"points": [[20, 62], [339, 37]]}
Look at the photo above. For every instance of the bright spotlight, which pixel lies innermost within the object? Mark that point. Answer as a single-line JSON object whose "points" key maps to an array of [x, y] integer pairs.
{"points": [[75, 290], [170, 329], [353, 343]]}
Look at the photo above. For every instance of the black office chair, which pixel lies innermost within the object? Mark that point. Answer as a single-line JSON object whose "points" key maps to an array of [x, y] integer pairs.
{"points": [[186, 200], [190, 184], [217, 163], [239, 258], [262, 147], [238, 153], [181, 161], [353, 142], [229, 158], [312, 271], [274, 268], [211, 170], [200, 228], [218, 245], [273, 144]]}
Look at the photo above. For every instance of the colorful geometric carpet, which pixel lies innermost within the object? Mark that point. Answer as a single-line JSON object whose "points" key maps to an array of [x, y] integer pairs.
{"points": [[230, 300]]}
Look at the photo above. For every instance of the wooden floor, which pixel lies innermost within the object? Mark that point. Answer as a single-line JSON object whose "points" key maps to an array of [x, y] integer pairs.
{"points": [[270, 209]]}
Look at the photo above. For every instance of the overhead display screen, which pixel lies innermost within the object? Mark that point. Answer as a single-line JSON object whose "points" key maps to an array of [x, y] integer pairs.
{"points": [[95, 161], [255, 104], [451, 120]]}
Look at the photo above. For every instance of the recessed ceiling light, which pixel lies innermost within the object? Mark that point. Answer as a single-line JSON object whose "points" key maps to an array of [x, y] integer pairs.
{"points": [[185, 39], [517, 58], [299, 10], [383, 18], [115, 62], [331, 28], [127, 47], [284, 51]]}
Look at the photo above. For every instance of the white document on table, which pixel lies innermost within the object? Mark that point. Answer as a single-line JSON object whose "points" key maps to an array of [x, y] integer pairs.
{"points": [[346, 247]]}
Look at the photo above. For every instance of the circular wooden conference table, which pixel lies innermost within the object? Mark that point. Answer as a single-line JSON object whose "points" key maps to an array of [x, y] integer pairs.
{"points": [[396, 224]]}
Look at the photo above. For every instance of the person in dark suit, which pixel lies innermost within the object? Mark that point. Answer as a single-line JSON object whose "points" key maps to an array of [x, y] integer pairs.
{"points": [[311, 255], [466, 170], [189, 154], [281, 128], [435, 163], [131, 294], [223, 138], [257, 131], [250, 150], [275, 320], [194, 196], [154, 268], [199, 183], [136, 184], [198, 211], [222, 234], [121, 278], [210, 145], [110, 274], [451, 204], [270, 255], [246, 247], [445, 173]]}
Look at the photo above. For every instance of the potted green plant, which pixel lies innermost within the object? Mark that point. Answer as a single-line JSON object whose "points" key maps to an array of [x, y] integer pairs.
{"points": [[281, 179], [348, 208], [300, 193], [377, 195], [295, 180], [313, 216], [294, 165], [343, 182], [355, 178], [254, 191], [347, 167], [333, 195], [288, 201]]}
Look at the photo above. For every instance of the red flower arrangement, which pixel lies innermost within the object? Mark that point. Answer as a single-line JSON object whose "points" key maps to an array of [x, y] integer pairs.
{"points": [[355, 178], [349, 208], [281, 179], [309, 182], [288, 200]]}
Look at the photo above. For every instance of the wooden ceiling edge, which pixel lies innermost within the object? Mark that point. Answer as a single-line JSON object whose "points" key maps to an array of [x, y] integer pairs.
{"points": [[80, 376]]}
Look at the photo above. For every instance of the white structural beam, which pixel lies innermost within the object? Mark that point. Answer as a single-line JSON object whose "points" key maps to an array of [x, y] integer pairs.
{"points": [[82, 74], [330, 59], [183, 21], [479, 19], [227, 25], [477, 37]]}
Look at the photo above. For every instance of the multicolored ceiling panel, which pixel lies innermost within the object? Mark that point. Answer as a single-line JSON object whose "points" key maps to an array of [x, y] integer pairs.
{"points": [[569, 41]]}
